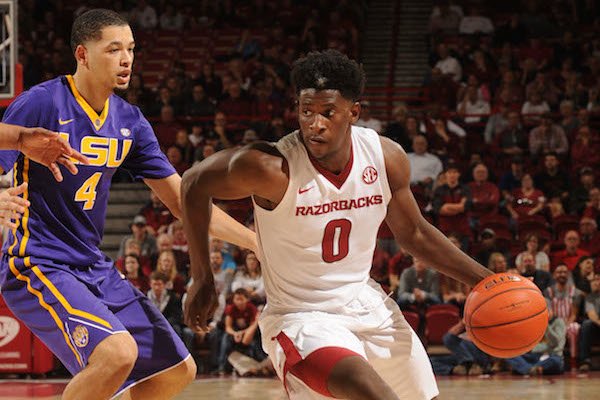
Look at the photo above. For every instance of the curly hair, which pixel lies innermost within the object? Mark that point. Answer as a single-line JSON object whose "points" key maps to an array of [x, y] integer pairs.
{"points": [[329, 70]]}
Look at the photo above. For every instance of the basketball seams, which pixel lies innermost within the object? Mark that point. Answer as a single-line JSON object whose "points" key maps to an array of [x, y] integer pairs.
{"points": [[480, 343], [510, 322]]}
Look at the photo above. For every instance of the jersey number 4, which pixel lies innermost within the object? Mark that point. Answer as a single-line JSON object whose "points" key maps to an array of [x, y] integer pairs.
{"points": [[87, 191], [336, 238]]}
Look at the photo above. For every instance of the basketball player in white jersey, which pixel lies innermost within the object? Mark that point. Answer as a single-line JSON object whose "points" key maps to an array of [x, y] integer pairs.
{"points": [[319, 196]]}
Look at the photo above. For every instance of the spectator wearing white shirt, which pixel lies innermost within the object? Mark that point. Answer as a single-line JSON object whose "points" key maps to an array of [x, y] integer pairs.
{"points": [[424, 167], [476, 23], [534, 108], [448, 64], [472, 108], [250, 278], [144, 16], [366, 120]]}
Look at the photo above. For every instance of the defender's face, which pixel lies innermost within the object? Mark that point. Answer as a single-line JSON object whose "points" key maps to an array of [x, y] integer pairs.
{"points": [[325, 117], [110, 59]]}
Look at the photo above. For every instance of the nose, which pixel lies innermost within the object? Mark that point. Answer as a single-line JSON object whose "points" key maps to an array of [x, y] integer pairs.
{"points": [[126, 59], [317, 124]]}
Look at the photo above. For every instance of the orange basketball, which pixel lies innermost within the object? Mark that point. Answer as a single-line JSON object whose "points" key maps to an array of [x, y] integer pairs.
{"points": [[506, 315]]}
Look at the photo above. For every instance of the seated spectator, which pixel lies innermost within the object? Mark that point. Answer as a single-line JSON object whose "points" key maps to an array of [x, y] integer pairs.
{"points": [[223, 277], [583, 273], [585, 150], [143, 16], [569, 121], [166, 129], [526, 200], [443, 135], [158, 217], [171, 19], [424, 166], [485, 195], [448, 64], [241, 326], [133, 247], [496, 124], [236, 102], [487, 246], [590, 328], [592, 209], [544, 86], [532, 246], [472, 108], [366, 120], [419, 286], [397, 130], [396, 265], [534, 108], [175, 157], [465, 358], [527, 268], [228, 261], [196, 138], [199, 105], [140, 234], [511, 180], [445, 20], [497, 263], [514, 95], [580, 196], [164, 241], [451, 203], [133, 273], [165, 98], [475, 23], [589, 236], [220, 133], [250, 278], [512, 141], [441, 89], [566, 301], [547, 357], [179, 239], [548, 138], [572, 253], [552, 180], [169, 304], [182, 142], [167, 264]]}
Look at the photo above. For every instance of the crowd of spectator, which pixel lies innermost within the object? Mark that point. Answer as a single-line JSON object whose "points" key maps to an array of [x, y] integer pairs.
{"points": [[504, 151]]}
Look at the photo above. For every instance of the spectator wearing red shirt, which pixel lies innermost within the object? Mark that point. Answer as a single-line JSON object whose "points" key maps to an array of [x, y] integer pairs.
{"points": [[241, 324], [236, 102], [451, 203], [585, 150], [132, 247], [592, 209], [166, 129], [175, 157], [526, 200], [589, 236], [572, 252], [134, 275], [485, 194], [158, 217]]}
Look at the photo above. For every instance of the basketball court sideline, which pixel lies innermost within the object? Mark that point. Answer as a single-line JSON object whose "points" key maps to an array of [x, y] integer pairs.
{"points": [[502, 387]]}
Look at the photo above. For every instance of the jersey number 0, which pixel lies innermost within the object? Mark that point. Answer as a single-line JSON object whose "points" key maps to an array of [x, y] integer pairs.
{"points": [[335, 245]]}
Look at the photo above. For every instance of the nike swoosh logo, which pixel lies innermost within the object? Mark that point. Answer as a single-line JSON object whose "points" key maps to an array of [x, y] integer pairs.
{"points": [[66, 121], [300, 191]]}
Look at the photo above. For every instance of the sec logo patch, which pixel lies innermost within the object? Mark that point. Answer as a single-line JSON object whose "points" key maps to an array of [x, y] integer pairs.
{"points": [[369, 175], [81, 336]]}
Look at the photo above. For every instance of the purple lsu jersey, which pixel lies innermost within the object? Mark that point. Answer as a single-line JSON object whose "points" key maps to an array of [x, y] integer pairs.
{"points": [[65, 222]]}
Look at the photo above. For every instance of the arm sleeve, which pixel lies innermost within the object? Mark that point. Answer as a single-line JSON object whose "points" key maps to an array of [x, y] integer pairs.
{"points": [[146, 160], [28, 110]]}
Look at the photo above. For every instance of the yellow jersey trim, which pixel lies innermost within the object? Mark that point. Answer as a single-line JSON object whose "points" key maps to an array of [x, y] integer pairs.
{"points": [[25, 218], [97, 120]]}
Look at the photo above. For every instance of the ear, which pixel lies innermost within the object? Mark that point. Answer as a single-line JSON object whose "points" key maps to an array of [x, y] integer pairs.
{"points": [[355, 112], [81, 55]]}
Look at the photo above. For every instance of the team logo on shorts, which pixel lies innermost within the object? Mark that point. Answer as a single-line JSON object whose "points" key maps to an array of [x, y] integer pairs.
{"points": [[125, 132], [80, 336], [369, 175]]}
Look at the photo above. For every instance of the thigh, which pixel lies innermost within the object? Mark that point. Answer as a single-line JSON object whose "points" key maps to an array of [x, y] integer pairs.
{"points": [[58, 308], [159, 347]]}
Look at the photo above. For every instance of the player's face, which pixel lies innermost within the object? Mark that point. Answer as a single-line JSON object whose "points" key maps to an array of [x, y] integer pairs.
{"points": [[110, 59], [325, 118]]}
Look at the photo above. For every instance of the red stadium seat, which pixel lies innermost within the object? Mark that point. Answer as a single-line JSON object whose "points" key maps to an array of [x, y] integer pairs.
{"points": [[438, 319], [496, 222], [413, 319], [563, 224]]}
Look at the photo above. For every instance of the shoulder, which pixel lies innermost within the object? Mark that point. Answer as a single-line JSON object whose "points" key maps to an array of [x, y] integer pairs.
{"points": [[127, 110], [397, 164], [257, 156]]}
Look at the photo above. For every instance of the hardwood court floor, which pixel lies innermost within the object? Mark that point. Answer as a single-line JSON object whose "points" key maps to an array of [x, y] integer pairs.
{"points": [[504, 387]]}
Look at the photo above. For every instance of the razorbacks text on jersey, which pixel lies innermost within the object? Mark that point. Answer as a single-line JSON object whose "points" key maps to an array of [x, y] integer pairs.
{"points": [[65, 222], [318, 243]]}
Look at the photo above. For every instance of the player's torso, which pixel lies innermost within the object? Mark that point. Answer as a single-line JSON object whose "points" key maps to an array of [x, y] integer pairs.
{"points": [[318, 242], [70, 214]]}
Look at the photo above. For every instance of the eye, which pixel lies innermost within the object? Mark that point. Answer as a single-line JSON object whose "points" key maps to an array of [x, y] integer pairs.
{"points": [[306, 113], [112, 51]]}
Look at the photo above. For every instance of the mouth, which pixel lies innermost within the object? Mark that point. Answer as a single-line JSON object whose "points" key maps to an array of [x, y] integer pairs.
{"points": [[315, 140], [124, 76]]}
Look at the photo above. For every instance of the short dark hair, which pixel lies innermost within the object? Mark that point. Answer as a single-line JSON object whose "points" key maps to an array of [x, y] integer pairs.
{"points": [[88, 26], [241, 292], [159, 276], [329, 70]]}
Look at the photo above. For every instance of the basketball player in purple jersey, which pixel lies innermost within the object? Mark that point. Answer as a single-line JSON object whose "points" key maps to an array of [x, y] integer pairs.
{"points": [[52, 274]]}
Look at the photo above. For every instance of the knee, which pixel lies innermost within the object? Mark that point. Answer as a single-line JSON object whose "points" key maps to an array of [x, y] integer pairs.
{"points": [[188, 371], [120, 351]]}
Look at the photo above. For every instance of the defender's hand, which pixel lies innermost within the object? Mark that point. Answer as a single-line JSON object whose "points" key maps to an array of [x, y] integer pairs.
{"points": [[49, 149], [12, 206]]}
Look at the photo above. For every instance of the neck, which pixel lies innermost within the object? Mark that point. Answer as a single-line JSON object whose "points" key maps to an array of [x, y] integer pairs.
{"points": [[95, 96], [561, 286], [337, 161]]}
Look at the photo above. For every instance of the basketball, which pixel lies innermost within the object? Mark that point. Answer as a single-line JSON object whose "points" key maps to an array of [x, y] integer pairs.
{"points": [[506, 315]]}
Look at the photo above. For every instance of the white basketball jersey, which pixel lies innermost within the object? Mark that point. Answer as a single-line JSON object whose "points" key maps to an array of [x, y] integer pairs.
{"points": [[318, 243]]}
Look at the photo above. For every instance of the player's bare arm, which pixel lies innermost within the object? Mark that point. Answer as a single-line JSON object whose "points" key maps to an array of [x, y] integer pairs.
{"points": [[255, 170], [414, 233], [222, 225], [42, 146]]}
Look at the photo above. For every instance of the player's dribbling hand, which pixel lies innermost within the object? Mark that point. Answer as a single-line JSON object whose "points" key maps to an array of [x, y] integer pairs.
{"points": [[12, 206], [49, 149], [200, 305]]}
